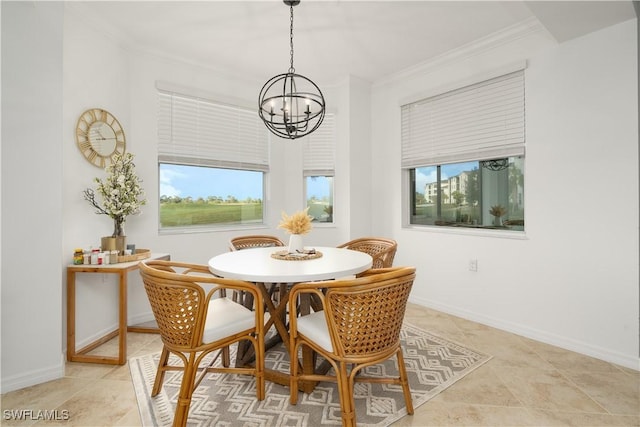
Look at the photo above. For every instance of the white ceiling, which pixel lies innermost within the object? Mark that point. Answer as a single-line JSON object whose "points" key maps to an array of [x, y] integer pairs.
{"points": [[332, 39]]}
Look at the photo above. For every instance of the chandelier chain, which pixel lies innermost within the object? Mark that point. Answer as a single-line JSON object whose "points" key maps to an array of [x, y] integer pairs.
{"points": [[291, 69]]}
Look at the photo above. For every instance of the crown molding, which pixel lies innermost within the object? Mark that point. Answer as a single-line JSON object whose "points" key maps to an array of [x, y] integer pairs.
{"points": [[477, 47]]}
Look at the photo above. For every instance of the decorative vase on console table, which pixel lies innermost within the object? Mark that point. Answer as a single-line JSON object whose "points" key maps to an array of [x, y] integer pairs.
{"points": [[122, 195], [117, 241]]}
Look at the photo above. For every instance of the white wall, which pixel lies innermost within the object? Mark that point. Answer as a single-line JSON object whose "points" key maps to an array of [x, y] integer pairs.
{"points": [[572, 279], [32, 140]]}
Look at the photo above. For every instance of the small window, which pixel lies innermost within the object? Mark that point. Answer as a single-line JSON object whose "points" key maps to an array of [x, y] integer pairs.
{"points": [[319, 191], [200, 196], [480, 194], [318, 170]]}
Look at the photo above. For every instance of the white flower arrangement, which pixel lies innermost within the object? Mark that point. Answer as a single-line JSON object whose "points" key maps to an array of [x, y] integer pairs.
{"points": [[121, 192]]}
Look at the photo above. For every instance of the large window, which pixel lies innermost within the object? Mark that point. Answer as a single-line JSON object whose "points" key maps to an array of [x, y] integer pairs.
{"points": [[202, 196], [213, 159], [487, 194], [463, 156], [318, 171]]}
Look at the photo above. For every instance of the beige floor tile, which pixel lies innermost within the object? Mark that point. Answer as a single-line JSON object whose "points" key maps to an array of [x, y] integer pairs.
{"points": [[45, 396], [436, 413], [87, 370], [616, 391], [103, 403], [480, 387], [131, 419], [582, 419], [543, 389], [526, 383], [565, 360]]}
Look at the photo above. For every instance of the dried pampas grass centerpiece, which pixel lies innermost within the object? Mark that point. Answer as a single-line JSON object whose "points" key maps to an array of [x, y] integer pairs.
{"points": [[296, 224]]}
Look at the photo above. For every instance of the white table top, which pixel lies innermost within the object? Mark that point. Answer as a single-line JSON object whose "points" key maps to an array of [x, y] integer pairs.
{"points": [[257, 265]]}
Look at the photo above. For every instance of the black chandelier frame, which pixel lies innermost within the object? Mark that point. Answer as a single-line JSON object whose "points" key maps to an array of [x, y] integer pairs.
{"points": [[290, 104]]}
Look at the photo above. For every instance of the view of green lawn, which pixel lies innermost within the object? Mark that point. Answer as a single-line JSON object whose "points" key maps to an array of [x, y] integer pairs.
{"points": [[187, 214]]}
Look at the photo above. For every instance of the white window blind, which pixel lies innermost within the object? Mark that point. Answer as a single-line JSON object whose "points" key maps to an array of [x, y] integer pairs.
{"points": [[319, 149], [201, 132], [477, 122]]}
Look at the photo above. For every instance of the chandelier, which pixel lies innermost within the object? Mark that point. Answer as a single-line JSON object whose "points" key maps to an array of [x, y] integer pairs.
{"points": [[290, 104], [496, 164]]}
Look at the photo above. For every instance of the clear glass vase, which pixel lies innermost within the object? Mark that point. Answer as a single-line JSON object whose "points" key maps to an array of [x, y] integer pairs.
{"points": [[118, 228]]}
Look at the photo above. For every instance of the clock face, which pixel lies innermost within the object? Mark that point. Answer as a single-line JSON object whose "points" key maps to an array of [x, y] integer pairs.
{"points": [[100, 137]]}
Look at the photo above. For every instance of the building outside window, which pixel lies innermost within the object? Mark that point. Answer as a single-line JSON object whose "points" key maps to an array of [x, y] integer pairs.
{"points": [[469, 194]]}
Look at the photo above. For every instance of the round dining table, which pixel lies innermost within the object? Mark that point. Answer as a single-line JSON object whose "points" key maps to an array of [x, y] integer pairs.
{"points": [[258, 265], [270, 273]]}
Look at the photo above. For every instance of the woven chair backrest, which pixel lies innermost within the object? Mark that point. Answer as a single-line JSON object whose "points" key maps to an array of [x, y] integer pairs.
{"points": [[367, 318], [178, 306], [381, 250], [255, 241]]}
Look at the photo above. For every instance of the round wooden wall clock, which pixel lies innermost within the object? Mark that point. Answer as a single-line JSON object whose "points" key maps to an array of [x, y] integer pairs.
{"points": [[100, 137]]}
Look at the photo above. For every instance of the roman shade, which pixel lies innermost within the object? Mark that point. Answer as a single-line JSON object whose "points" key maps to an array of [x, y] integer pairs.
{"points": [[202, 132], [319, 149], [477, 122]]}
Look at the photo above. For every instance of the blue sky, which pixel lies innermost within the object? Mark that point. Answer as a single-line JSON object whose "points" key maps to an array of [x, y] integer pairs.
{"points": [[195, 182], [190, 181]]}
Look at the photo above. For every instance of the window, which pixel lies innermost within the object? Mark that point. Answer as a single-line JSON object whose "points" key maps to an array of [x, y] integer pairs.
{"points": [[213, 159], [487, 194], [319, 191], [463, 154], [318, 170], [196, 196]]}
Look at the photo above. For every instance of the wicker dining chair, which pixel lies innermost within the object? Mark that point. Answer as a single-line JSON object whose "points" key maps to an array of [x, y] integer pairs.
{"points": [[253, 241], [382, 250], [359, 326], [193, 324]]}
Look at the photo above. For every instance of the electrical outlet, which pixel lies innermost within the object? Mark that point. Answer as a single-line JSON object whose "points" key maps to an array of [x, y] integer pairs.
{"points": [[473, 265]]}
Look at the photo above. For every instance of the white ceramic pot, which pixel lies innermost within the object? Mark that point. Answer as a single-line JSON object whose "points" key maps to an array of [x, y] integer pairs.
{"points": [[295, 243]]}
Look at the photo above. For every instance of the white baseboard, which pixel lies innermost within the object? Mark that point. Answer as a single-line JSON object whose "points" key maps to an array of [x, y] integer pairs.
{"points": [[36, 376], [548, 338], [141, 318]]}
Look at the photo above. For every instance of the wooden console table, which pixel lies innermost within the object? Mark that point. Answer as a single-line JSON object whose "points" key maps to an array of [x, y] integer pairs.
{"points": [[122, 270]]}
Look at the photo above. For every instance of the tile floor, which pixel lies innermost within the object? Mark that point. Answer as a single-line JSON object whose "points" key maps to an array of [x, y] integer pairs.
{"points": [[526, 383]]}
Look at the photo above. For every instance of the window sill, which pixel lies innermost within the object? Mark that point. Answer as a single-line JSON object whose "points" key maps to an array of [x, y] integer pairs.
{"points": [[471, 230], [210, 229]]}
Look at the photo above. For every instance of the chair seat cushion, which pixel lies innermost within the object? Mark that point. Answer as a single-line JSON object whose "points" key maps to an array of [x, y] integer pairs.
{"points": [[314, 327], [226, 318]]}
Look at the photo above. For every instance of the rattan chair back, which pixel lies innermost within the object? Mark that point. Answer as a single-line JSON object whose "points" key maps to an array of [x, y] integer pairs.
{"points": [[189, 320], [179, 308], [253, 241], [381, 249], [363, 320], [376, 328]]}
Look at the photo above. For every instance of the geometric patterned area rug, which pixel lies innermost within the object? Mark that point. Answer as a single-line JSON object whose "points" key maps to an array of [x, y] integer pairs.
{"points": [[433, 364]]}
